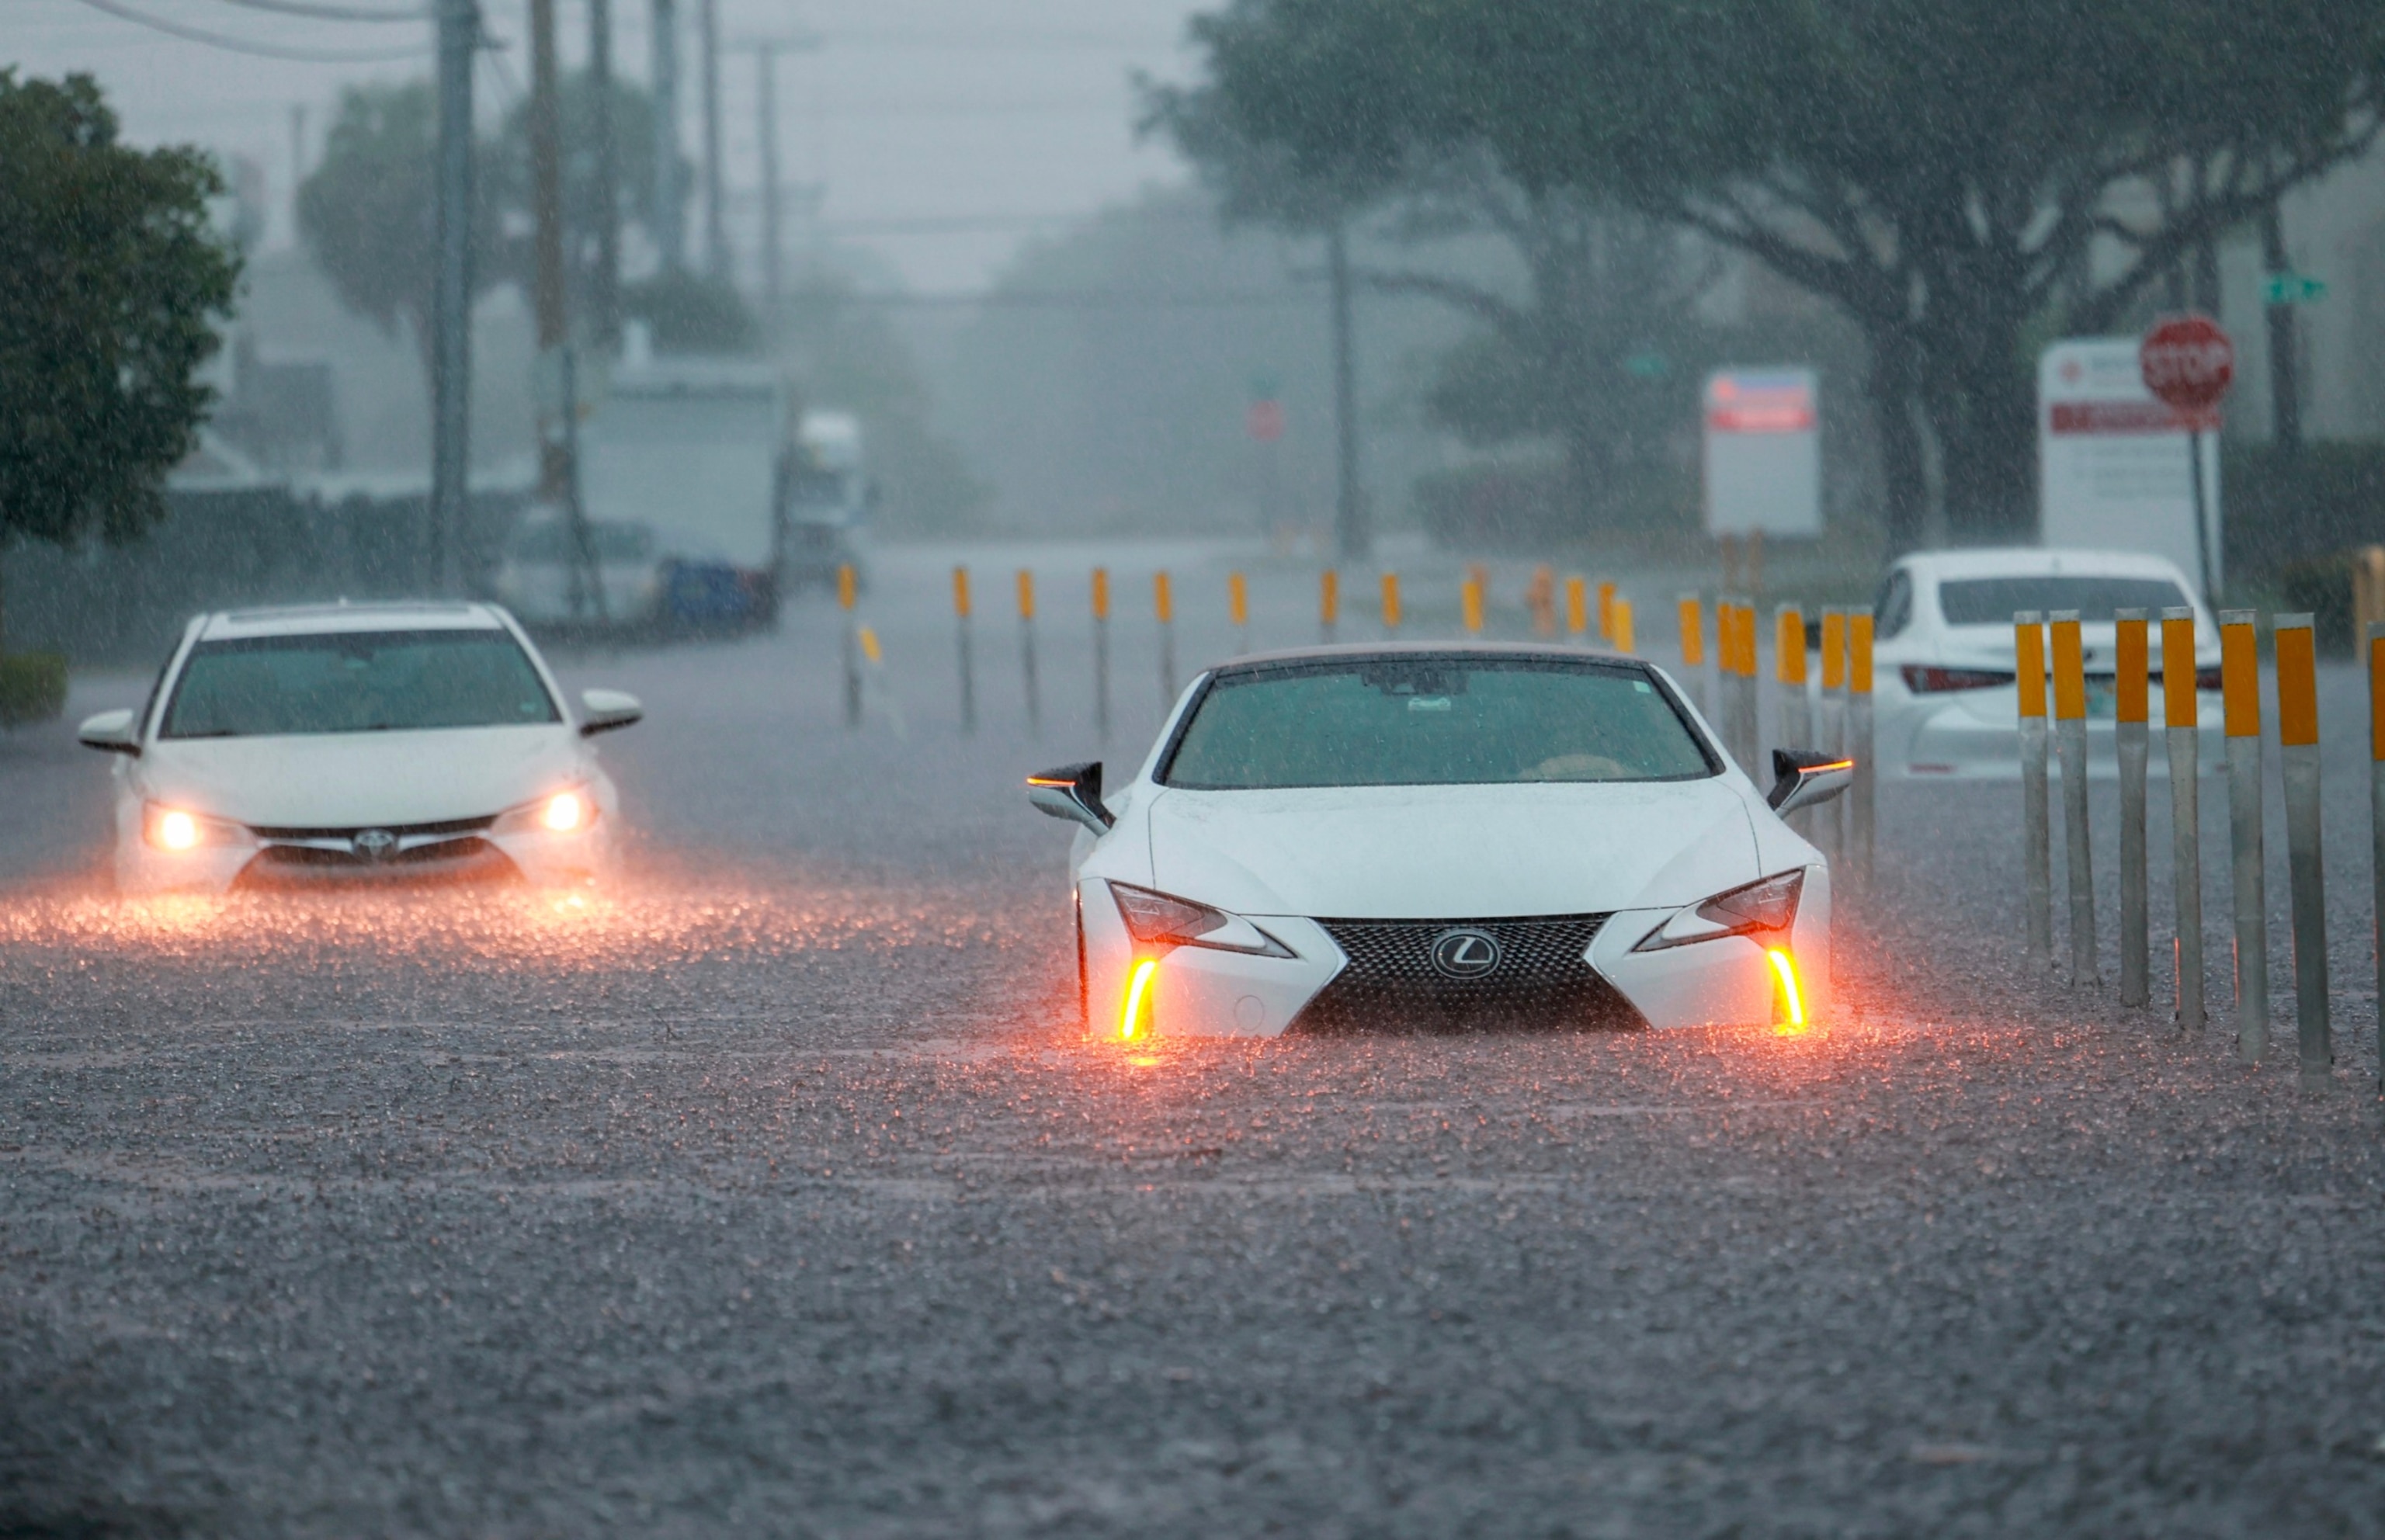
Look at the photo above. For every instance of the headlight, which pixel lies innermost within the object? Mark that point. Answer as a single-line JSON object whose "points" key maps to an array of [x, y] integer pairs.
{"points": [[570, 810], [178, 829], [1760, 909], [1160, 920]]}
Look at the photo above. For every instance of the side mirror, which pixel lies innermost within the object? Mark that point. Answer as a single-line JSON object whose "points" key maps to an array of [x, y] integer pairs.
{"points": [[112, 732], [601, 711], [1802, 777], [1074, 792]]}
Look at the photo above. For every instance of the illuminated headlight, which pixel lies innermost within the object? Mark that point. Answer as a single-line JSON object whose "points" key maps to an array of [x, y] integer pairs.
{"points": [[178, 829], [1763, 909], [1158, 921], [570, 810]]}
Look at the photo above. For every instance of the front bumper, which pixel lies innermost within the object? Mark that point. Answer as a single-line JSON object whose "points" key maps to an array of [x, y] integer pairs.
{"points": [[325, 858], [1323, 988]]}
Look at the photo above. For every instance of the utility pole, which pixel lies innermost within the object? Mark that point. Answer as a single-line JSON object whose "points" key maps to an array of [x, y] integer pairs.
{"points": [[669, 234], [605, 293], [1350, 536], [2285, 363], [450, 351], [766, 65], [558, 472], [715, 228]]}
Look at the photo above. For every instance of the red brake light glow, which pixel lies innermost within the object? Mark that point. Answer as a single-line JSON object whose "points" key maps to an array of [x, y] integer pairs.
{"points": [[1927, 679]]}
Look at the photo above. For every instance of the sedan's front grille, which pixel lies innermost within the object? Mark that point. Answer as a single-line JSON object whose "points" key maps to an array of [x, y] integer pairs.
{"points": [[403, 831], [1540, 978], [465, 860]]}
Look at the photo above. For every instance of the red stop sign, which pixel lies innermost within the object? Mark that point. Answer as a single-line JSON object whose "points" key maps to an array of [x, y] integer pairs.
{"points": [[1265, 421], [2188, 362]]}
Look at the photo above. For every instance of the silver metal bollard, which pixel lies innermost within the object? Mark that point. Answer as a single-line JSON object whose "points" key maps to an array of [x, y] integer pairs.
{"points": [[2132, 739], [1163, 607], [2240, 663], [2070, 747], [2375, 641], [968, 662], [1792, 726], [2037, 838], [1027, 652], [2181, 710], [2298, 755], [1830, 724], [1751, 731], [1102, 653], [1863, 805]]}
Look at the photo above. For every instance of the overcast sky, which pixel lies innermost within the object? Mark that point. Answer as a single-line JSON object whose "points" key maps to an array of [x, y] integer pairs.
{"points": [[941, 132]]}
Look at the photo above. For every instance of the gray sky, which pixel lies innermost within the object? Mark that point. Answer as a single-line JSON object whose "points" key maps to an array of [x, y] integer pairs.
{"points": [[941, 132]]}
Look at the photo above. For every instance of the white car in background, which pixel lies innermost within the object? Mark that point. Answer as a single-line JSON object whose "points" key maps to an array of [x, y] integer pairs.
{"points": [[1435, 838], [1944, 697], [359, 742]]}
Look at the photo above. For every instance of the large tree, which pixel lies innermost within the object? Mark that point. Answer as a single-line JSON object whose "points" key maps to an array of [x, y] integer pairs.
{"points": [[111, 280], [1960, 177]]}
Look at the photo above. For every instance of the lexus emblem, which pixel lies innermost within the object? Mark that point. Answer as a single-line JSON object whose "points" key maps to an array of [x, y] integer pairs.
{"points": [[1464, 953], [373, 844]]}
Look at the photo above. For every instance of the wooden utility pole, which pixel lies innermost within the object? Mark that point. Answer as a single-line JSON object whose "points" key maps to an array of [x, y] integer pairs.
{"points": [[558, 475], [605, 293], [716, 226]]}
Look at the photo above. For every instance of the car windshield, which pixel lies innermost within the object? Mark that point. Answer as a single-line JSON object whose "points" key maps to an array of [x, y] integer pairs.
{"points": [[1992, 600], [1426, 720], [356, 682]]}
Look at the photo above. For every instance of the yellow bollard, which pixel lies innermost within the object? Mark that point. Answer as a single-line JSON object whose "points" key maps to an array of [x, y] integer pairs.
{"points": [[2240, 668], [1329, 601], [2297, 666], [1163, 605], [2037, 835], [1605, 611], [2180, 715], [1470, 600], [1622, 612], [1101, 651], [1541, 598], [1026, 651], [1796, 724], [968, 663], [1391, 601], [1577, 608], [2070, 750], [848, 591], [1861, 803], [1693, 631], [2132, 745]]}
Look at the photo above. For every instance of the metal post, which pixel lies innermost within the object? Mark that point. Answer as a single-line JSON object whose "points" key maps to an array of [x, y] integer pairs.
{"points": [[1605, 611], [848, 590], [1102, 652], [766, 70], [1576, 609], [2377, 828], [961, 632], [1238, 609], [1329, 602], [2070, 747], [2131, 737], [1750, 727], [2240, 663], [1830, 726], [451, 349], [1693, 647], [1163, 605], [1391, 604], [665, 221], [1469, 605], [1027, 654], [2179, 713], [2298, 757], [1624, 640], [2035, 833], [716, 226], [1351, 541], [1793, 725], [605, 293], [1863, 797]]}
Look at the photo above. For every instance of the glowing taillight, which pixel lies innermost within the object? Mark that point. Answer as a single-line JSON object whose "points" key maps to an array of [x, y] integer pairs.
{"points": [[1790, 1005], [565, 812], [1134, 1016], [1926, 680]]}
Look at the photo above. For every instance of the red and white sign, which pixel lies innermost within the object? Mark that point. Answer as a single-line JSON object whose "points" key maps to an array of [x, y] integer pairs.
{"points": [[1763, 453], [1263, 421], [2188, 362], [2113, 458]]}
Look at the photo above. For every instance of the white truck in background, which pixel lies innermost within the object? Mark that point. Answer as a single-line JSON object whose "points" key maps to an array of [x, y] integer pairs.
{"points": [[706, 497]]}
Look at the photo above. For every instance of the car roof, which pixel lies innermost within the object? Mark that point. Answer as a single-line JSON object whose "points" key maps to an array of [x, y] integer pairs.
{"points": [[283, 620], [2034, 561], [1329, 651]]}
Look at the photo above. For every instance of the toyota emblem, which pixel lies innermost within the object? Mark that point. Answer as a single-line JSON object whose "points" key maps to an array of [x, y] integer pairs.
{"points": [[373, 844], [1465, 953]]}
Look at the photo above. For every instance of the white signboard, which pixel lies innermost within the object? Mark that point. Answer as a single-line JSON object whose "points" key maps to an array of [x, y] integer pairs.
{"points": [[2112, 459], [1763, 453]]}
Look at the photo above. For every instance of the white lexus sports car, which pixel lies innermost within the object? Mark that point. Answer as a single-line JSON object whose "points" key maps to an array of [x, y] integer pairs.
{"points": [[359, 741], [1438, 837]]}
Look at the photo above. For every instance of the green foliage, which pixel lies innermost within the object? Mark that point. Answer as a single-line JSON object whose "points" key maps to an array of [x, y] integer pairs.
{"points": [[370, 209], [32, 688], [691, 313], [110, 279]]}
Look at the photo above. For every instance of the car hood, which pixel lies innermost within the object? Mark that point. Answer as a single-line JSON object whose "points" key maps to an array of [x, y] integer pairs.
{"points": [[353, 780], [1438, 853]]}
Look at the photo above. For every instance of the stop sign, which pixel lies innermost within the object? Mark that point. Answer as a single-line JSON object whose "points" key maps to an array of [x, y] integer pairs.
{"points": [[1263, 421], [2188, 362]]}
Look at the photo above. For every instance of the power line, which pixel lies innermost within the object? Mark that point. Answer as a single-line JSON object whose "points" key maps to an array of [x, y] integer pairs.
{"points": [[330, 13], [257, 50]]}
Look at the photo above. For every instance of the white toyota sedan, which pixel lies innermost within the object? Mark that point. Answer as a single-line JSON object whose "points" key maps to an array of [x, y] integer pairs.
{"points": [[1438, 839], [1944, 699], [359, 741]]}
